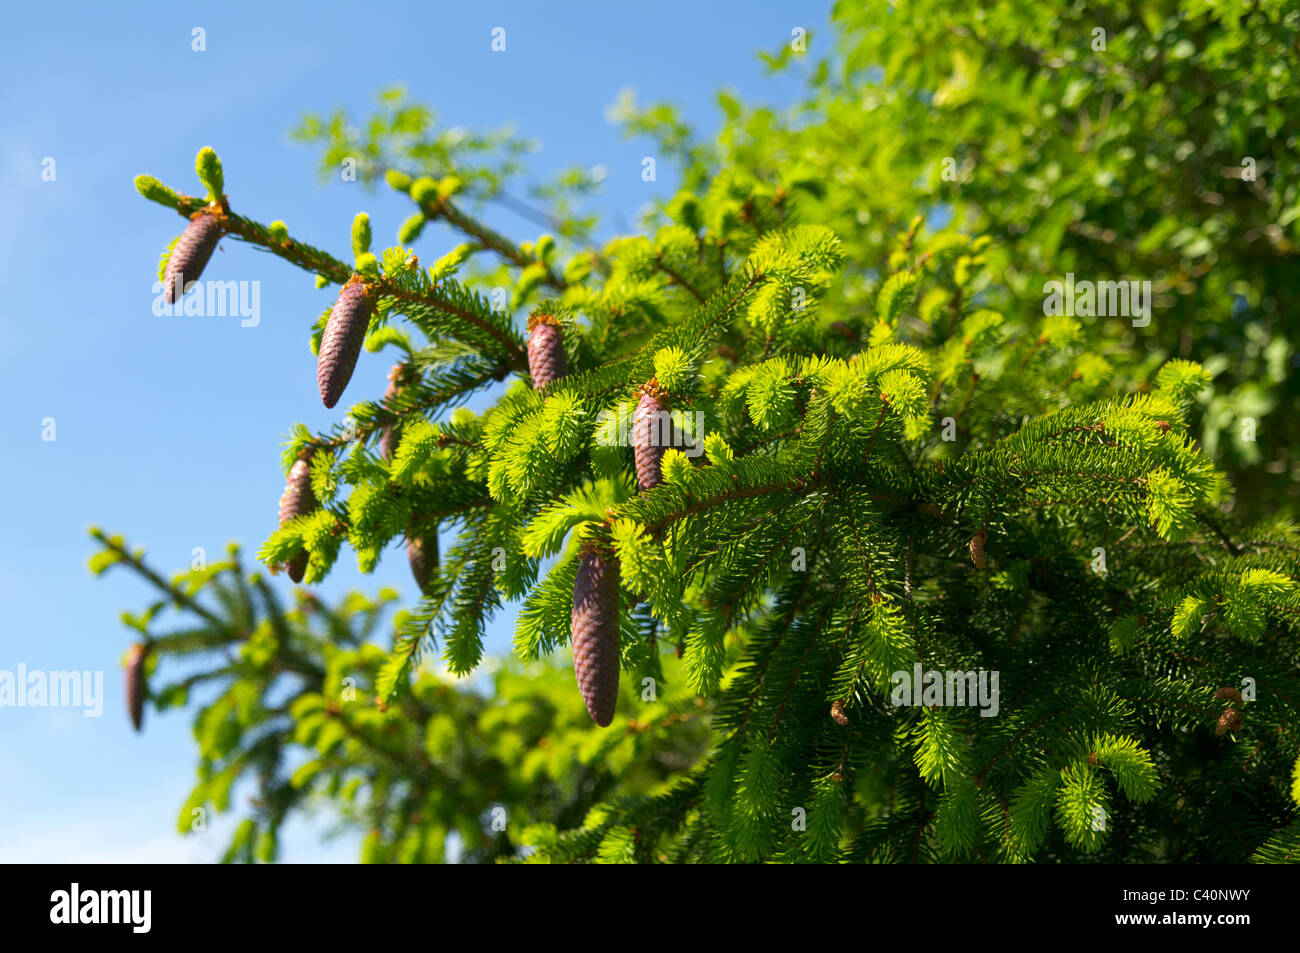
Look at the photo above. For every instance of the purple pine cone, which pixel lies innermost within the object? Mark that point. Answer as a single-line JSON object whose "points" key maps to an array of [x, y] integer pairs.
{"points": [[345, 332], [191, 254], [595, 632], [422, 554], [388, 440], [651, 431], [297, 500], [135, 687], [546, 361]]}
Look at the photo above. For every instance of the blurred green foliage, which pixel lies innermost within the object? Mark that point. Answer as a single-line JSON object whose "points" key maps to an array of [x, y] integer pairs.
{"points": [[287, 719]]}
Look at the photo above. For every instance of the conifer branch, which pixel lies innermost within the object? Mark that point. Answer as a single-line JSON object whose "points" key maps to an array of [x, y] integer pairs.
{"points": [[490, 240], [173, 593], [818, 354], [676, 278], [322, 263]]}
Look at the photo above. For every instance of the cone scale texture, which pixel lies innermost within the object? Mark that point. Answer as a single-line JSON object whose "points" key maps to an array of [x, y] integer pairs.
{"points": [[340, 345], [546, 361], [191, 254], [595, 632], [388, 440], [297, 500], [651, 431]]}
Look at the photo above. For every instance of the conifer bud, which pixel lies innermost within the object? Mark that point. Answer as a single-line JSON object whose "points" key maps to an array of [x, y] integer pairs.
{"points": [[1227, 692], [837, 713], [422, 554], [155, 191], [191, 254], [135, 687], [1230, 720], [297, 500], [546, 360], [595, 631], [340, 345], [977, 549], [649, 433]]}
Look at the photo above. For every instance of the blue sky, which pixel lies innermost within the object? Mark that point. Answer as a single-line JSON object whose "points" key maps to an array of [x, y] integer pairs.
{"points": [[168, 429]]}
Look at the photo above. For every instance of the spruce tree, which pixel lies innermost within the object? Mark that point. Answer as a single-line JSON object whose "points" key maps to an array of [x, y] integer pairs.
{"points": [[779, 488]]}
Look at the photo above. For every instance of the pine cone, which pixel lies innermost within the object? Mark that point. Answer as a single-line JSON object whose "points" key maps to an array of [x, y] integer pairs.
{"points": [[422, 554], [1230, 720], [388, 440], [345, 332], [648, 435], [837, 713], [297, 500], [135, 687], [595, 632], [191, 254], [297, 566], [1227, 692], [977, 549], [546, 361]]}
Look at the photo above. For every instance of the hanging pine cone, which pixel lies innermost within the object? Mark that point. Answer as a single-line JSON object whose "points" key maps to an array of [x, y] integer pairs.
{"points": [[595, 631], [1230, 720], [422, 554], [837, 713], [388, 440], [546, 361], [297, 500], [340, 345], [135, 687], [191, 254], [649, 435], [977, 549], [1227, 692]]}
